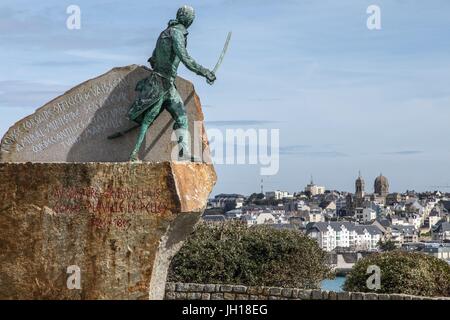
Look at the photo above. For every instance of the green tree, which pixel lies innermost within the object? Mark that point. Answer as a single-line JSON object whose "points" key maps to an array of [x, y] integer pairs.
{"points": [[254, 197], [403, 272], [387, 245], [232, 253]]}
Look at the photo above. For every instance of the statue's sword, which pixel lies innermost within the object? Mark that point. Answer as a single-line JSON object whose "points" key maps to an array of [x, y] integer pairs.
{"points": [[216, 67], [222, 54]]}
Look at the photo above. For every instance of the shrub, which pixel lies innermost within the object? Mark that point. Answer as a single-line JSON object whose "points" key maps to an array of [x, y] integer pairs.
{"points": [[232, 253], [389, 245], [403, 272]]}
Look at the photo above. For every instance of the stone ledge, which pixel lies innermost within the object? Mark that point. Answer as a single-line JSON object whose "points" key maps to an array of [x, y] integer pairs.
{"points": [[228, 292]]}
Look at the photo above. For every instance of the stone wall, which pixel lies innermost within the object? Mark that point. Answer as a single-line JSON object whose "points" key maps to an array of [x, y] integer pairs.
{"points": [[195, 291]]}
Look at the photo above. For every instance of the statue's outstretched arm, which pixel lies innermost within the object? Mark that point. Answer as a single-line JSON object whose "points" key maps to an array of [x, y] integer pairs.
{"points": [[180, 50]]}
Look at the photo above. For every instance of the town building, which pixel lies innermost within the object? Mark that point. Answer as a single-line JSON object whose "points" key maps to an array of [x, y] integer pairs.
{"points": [[333, 235], [433, 218], [314, 189], [278, 195], [368, 215], [401, 234], [381, 189], [227, 201], [393, 198], [381, 186], [435, 249], [441, 231], [359, 192]]}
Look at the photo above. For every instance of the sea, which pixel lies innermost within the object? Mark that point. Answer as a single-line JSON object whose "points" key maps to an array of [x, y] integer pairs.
{"points": [[333, 284]]}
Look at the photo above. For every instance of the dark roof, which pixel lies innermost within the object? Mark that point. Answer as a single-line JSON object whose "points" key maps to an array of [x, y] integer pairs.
{"points": [[229, 195], [283, 226], [331, 258], [216, 217], [336, 225], [247, 217], [310, 225], [435, 213], [373, 230], [404, 229], [233, 212], [381, 179], [446, 204], [442, 226], [324, 204], [384, 222], [349, 257]]}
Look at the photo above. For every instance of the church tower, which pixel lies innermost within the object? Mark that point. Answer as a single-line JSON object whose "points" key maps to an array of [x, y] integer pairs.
{"points": [[359, 192], [381, 186], [359, 186]]}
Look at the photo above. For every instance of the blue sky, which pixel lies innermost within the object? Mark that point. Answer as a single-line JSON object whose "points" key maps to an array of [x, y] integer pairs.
{"points": [[344, 98]]}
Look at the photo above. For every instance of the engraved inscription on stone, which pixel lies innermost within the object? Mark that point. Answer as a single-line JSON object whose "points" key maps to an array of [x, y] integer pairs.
{"points": [[111, 207], [63, 121]]}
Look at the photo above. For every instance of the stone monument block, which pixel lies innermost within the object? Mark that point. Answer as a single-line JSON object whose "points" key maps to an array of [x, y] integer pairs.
{"points": [[74, 126], [77, 220], [119, 223]]}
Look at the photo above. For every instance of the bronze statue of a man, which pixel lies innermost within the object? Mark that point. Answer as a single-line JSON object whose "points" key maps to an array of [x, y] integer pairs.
{"points": [[158, 91]]}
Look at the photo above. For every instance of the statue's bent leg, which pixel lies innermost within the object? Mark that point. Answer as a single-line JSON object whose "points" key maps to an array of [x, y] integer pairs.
{"points": [[178, 112], [149, 117]]}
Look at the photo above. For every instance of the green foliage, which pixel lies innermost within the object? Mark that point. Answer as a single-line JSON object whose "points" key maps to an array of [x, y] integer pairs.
{"points": [[388, 245], [255, 196], [232, 253], [259, 199], [403, 272]]}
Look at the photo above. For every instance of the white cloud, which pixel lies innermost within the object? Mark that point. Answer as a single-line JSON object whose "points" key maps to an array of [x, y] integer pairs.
{"points": [[98, 55]]}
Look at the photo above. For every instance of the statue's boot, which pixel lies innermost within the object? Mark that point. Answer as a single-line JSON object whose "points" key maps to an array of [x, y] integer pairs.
{"points": [[190, 158], [187, 156], [134, 157]]}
